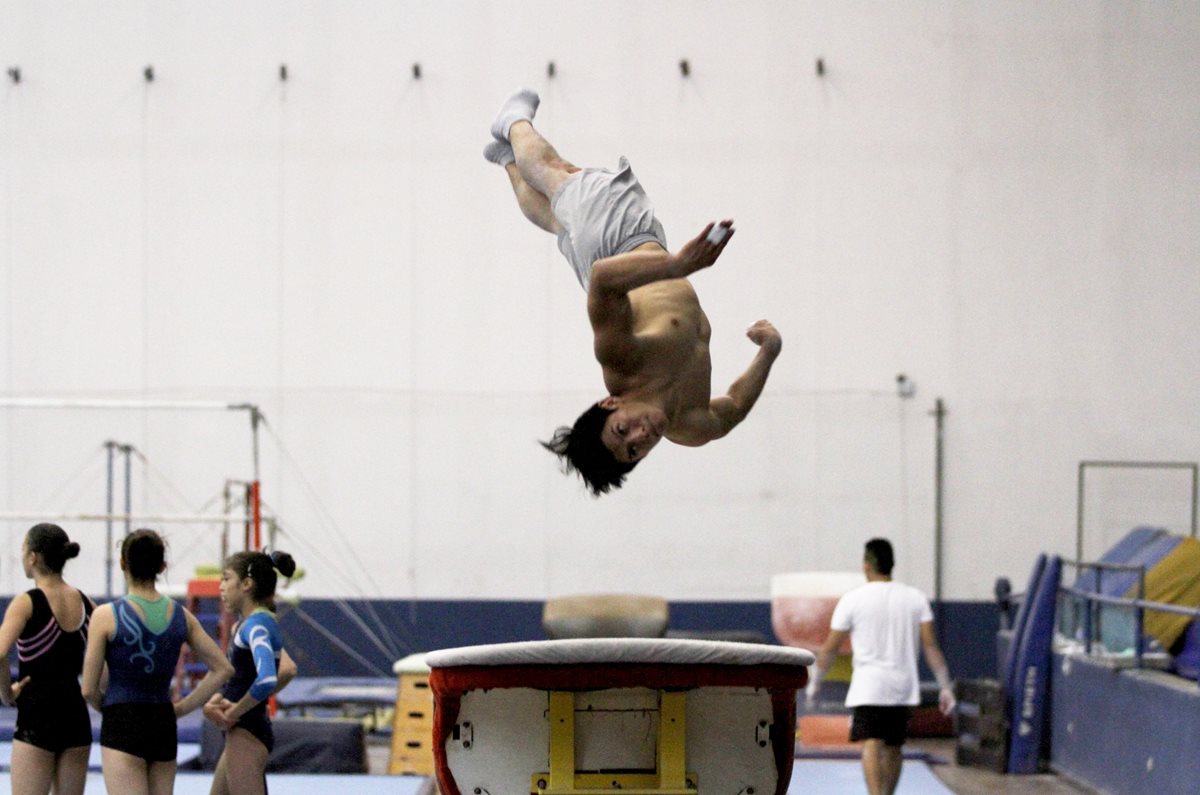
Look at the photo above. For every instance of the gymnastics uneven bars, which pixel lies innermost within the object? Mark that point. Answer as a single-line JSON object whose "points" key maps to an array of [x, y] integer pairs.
{"points": [[256, 417]]}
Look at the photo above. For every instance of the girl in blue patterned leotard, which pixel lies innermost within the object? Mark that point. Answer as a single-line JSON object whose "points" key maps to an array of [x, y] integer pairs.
{"points": [[139, 637], [260, 667]]}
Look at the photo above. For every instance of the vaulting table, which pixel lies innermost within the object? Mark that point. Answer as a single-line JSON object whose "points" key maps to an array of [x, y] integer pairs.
{"points": [[646, 716]]}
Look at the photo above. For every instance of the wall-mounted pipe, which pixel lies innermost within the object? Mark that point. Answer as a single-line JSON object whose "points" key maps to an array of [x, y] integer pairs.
{"points": [[939, 416]]}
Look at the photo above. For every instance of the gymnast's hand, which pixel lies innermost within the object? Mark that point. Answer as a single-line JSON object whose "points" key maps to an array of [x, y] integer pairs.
{"points": [[17, 687], [764, 335], [215, 711], [702, 251]]}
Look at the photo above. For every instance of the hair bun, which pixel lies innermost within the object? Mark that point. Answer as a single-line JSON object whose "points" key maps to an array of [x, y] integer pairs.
{"points": [[284, 563], [71, 550]]}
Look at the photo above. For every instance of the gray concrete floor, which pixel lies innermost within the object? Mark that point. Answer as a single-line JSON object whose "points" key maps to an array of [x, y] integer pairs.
{"points": [[974, 781]]}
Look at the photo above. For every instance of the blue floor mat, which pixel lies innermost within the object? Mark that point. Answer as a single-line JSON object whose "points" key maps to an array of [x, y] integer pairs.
{"points": [[808, 776], [846, 778]]}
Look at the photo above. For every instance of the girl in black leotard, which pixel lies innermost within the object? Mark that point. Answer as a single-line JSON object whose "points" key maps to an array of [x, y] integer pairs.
{"points": [[48, 624]]}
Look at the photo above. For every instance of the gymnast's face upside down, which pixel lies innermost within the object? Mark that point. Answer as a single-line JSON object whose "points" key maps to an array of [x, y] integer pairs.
{"points": [[633, 428]]}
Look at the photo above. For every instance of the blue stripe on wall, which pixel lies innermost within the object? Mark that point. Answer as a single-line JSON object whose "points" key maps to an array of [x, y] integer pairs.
{"points": [[969, 629], [404, 627]]}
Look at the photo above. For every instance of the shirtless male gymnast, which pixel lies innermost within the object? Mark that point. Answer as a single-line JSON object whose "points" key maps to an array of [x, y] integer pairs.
{"points": [[650, 334]]}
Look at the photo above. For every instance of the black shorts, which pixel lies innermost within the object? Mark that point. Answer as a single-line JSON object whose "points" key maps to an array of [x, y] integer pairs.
{"points": [[53, 724], [889, 724], [147, 731]]}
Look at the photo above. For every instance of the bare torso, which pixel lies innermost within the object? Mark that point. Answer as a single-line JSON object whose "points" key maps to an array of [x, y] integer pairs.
{"points": [[672, 362], [651, 340]]}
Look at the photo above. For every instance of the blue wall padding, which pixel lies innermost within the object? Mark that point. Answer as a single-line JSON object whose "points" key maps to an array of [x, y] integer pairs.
{"points": [[1130, 732], [966, 628], [424, 625], [1029, 719]]}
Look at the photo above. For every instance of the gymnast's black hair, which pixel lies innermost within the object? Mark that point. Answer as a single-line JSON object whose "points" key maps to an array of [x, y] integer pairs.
{"points": [[261, 568], [144, 553], [879, 555], [51, 542], [580, 448]]}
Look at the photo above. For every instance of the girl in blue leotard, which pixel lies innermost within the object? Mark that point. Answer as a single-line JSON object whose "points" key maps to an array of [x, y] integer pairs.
{"points": [[139, 637], [261, 667]]}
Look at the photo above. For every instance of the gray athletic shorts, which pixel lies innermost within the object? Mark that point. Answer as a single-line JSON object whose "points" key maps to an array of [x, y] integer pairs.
{"points": [[603, 213]]}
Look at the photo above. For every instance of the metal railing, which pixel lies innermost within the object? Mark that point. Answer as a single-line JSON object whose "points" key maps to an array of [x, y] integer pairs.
{"points": [[1092, 600]]}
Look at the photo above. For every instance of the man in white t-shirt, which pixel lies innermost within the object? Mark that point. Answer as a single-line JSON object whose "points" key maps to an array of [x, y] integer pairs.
{"points": [[884, 620]]}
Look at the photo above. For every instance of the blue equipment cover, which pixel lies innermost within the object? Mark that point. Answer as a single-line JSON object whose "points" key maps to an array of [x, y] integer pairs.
{"points": [[1121, 583], [1120, 552], [1187, 662], [1030, 719], [1019, 626]]}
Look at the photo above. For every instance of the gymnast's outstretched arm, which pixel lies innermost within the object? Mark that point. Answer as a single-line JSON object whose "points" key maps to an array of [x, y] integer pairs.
{"points": [[726, 411], [623, 273]]}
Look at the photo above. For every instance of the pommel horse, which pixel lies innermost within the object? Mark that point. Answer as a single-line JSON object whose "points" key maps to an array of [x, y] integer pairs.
{"points": [[643, 716]]}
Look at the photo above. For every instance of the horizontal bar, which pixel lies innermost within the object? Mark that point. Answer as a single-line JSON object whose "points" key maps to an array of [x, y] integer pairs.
{"points": [[1142, 464], [199, 518], [66, 403], [1144, 604]]}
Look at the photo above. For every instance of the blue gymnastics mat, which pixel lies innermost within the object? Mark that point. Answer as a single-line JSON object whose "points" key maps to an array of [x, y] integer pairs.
{"points": [[846, 778], [280, 784], [337, 691], [808, 776]]}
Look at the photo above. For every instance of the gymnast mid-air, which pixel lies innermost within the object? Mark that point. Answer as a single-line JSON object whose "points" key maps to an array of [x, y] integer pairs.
{"points": [[650, 334]]}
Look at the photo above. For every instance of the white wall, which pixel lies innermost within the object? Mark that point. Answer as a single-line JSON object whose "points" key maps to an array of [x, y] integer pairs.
{"points": [[998, 199]]}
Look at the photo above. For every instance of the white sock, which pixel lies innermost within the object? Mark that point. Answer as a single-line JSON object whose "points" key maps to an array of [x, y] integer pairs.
{"points": [[521, 106], [499, 152]]}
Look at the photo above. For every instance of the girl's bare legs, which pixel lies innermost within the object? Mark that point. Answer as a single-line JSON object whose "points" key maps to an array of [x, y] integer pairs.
{"points": [[32, 769], [124, 772], [245, 763], [70, 773], [162, 778], [219, 785]]}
